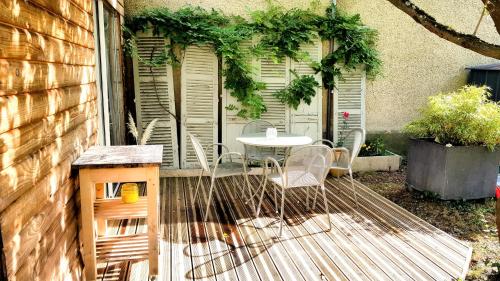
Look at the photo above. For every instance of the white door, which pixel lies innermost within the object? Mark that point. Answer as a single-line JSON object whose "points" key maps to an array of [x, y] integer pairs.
{"points": [[154, 98], [199, 102], [306, 120], [349, 96]]}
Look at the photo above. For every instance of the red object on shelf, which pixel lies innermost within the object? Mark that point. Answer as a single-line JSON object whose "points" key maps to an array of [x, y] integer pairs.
{"points": [[498, 192]]}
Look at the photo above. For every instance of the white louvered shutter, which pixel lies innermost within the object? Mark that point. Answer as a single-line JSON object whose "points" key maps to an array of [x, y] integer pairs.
{"points": [[199, 102], [232, 125], [349, 96], [154, 92], [276, 77], [307, 119]]}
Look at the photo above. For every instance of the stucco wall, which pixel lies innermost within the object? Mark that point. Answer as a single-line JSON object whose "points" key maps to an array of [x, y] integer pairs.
{"points": [[417, 63]]}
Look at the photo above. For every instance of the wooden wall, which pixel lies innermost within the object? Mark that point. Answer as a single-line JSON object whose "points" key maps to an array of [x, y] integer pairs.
{"points": [[48, 116]]}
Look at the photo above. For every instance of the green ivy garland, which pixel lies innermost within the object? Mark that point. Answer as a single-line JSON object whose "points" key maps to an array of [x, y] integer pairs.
{"points": [[302, 88], [281, 34]]}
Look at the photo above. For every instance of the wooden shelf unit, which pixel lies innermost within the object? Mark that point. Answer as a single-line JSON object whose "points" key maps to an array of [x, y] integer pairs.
{"points": [[105, 164]]}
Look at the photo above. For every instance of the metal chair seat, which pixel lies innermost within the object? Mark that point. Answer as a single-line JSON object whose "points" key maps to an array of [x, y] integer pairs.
{"points": [[295, 179], [226, 169]]}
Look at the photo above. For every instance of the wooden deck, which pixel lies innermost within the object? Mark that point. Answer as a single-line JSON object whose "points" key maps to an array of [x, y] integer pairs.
{"points": [[376, 241]]}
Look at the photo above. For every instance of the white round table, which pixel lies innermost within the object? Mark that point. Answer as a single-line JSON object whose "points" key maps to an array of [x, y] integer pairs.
{"points": [[282, 140]]}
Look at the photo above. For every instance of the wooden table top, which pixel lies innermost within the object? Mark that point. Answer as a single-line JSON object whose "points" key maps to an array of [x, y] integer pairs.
{"points": [[120, 156]]}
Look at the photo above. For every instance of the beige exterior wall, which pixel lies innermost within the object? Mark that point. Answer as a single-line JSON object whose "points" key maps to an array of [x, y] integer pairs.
{"points": [[417, 63]]}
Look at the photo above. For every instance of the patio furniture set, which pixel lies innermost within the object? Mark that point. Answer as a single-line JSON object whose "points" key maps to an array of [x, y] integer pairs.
{"points": [[289, 161]]}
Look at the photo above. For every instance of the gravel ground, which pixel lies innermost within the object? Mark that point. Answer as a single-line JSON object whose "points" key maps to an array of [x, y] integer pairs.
{"points": [[472, 221]]}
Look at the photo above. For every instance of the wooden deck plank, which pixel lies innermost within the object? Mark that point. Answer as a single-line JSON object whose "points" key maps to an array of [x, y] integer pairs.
{"points": [[410, 247], [374, 236], [181, 257], [222, 259], [200, 246], [257, 247], [276, 250], [324, 259], [412, 237], [298, 254], [376, 241], [353, 264], [243, 262], [363, 243]]}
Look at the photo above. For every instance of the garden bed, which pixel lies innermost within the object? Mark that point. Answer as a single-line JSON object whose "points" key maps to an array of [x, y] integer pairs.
{"points": [[388, 162], [472, 221]]}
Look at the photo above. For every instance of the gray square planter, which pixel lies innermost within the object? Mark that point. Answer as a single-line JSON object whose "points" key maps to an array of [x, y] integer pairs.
{"points": [[457, 172]]}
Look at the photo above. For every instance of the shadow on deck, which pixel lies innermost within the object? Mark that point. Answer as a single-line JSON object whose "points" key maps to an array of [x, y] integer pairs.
{"points": [[376, 241]]}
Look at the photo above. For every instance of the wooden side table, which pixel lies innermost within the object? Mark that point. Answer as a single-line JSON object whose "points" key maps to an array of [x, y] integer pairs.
{"points": [[112, 164]]}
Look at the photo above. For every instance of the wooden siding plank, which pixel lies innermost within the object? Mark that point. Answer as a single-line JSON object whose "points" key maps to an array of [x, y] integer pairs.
{"points": [[24, 44], [67, 10], [20, 143], [27, 76], [85, 5], [18, 178], [24, 15], [22, 109], [18, 214]]}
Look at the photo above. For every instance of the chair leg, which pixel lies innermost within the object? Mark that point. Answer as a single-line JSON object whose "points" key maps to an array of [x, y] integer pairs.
{"points": [[353, 188], [249, 188], [198, 185], [282, 210], [275, 200], [326, 206], [307, 198], [261, 198], [212, 185], [315, 196]]}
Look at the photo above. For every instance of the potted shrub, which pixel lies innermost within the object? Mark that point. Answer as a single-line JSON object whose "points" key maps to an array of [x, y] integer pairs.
{"points": [[373, 156], [452, 146]]}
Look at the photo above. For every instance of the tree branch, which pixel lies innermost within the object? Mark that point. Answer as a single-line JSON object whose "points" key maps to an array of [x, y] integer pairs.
{"points": [[467, 41]]}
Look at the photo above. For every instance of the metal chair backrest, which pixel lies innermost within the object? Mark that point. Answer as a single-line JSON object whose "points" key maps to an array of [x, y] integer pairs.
{"points": [[200, 152], [358, 137], [314, 159], [254, 127]]}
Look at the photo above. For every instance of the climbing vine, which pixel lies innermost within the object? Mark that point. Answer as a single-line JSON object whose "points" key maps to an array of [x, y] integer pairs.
{"points": [[281, 33], [302, 88]]}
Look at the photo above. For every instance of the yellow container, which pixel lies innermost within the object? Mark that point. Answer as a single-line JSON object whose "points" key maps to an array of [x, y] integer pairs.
{"points": [[130, 193]]}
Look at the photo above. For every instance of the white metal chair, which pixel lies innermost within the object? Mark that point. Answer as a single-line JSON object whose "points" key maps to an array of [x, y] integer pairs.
{"points": [[305, 167], [347, 156], [253, 153], [218, 169]]}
